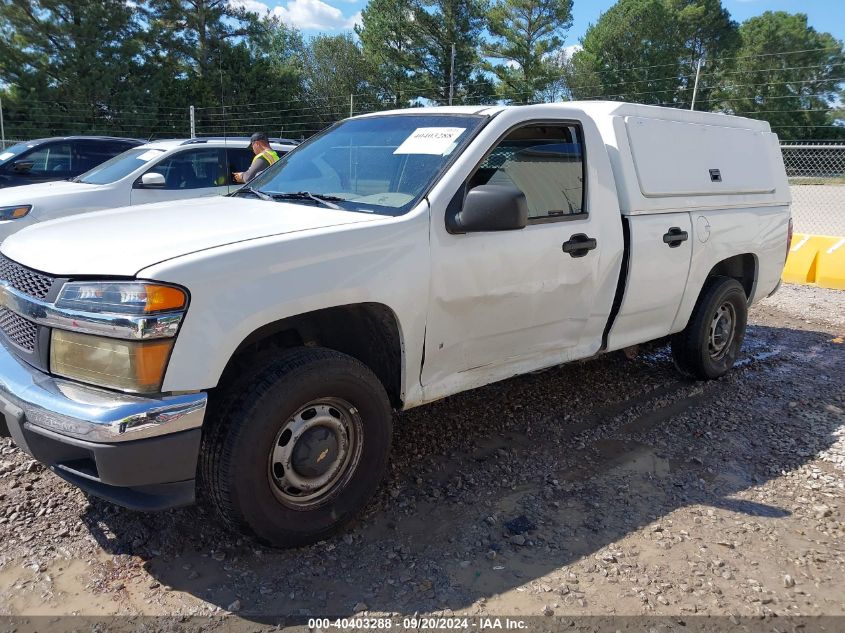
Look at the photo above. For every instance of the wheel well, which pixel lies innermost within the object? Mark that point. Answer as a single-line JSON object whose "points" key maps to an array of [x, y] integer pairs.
{"points": [[743, 268], [366, 331]]}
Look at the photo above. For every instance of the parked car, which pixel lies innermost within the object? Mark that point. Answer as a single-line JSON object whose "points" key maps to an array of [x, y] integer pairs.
{"points": [[154, 172], [60, 158], [254, 346]]}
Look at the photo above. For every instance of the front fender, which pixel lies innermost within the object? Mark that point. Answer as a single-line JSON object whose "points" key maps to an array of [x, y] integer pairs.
{"points": [[239, 288]]}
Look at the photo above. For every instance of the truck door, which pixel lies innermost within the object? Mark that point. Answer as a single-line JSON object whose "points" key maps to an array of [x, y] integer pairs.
{"points": [[525, 298]]}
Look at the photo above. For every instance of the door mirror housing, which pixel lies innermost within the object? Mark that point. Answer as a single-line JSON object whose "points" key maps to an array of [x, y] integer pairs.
{"points": [[22, 166], [490, 208], [152, 180]]}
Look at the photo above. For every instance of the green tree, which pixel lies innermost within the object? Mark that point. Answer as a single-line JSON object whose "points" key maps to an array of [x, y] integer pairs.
{"points": [[278, 47], [218, 54], [647, 51], [837, 116], [787, 73], [388, 39], [707, 33], [70, 66], [632, 53], [196, 29], [524, 34], [334, 69], [262, 78], [438, 24]]}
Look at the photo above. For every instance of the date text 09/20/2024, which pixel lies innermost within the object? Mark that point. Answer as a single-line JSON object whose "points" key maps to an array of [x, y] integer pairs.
{"points": [[455, 623]]}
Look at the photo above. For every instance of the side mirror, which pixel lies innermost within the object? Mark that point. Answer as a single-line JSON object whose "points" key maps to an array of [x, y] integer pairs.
{"points": [[490, 208], [152, 180], [22, 166]]}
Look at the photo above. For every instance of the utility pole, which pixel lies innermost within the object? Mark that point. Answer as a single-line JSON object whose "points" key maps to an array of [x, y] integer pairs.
{"points": [[351, 104], [695, 87], [193, 123], [452, 76], [2, 129]]}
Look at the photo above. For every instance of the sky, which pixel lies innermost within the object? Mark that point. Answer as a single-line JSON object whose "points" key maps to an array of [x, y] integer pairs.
{"points": [[336, 16]]}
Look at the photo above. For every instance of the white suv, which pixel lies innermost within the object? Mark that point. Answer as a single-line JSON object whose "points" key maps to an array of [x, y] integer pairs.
{"points": [[155, 172]]}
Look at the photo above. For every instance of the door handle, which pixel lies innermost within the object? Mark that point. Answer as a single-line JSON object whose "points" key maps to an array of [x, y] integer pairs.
{"points": [[579, 245], [675, 236]]}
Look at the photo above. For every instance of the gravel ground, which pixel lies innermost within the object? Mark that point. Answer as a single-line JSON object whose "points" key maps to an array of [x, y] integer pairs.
{"points": [[609, 486]]}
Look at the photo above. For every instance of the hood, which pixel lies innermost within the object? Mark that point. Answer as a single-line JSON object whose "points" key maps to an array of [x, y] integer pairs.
{"points": [[39, 192], [123, 241]]}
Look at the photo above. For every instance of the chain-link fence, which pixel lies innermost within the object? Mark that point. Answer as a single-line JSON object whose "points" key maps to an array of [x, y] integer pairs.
{"points": [[816, 173]]}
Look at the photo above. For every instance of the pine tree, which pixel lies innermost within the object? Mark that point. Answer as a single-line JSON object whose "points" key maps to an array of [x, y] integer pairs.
{"points": [[525, 34], [388, 40]]}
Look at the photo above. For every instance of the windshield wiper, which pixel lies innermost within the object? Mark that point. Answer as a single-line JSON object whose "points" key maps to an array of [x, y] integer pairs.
{"points": [[327, 201], [256, 192]]}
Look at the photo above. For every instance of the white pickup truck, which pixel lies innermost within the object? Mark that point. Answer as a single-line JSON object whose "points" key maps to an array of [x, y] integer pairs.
{"points": [[254, 346]]}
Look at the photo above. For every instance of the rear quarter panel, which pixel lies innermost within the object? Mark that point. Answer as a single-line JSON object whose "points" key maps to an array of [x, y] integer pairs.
{"points": [[721, 234]]}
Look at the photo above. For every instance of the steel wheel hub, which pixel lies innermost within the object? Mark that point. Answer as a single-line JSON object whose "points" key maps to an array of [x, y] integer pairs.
{"points": [[315, 452], [722, 331]]}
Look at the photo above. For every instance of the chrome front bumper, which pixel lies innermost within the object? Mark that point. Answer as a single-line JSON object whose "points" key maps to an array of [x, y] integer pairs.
{"points": [[70, 409], [140, 453]]}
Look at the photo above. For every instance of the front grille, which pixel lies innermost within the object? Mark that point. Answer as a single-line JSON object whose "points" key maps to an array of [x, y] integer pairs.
{"points": [[18, 330], [25, 280]]}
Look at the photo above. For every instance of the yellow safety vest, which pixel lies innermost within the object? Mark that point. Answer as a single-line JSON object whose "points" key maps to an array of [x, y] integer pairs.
{"points": [[269, 155]]}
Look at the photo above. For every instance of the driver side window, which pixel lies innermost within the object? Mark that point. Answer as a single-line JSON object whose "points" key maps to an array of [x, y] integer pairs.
{"points": [[192, 169], [545, 162], [53, 159]]}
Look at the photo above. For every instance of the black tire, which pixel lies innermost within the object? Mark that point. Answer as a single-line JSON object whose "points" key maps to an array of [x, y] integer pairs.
{"points": [[237, 469], [693, 350]]}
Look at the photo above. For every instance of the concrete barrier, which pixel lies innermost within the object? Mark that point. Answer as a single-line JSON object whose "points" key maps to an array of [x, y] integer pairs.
{"points": [[830, 269], [816, 259]]}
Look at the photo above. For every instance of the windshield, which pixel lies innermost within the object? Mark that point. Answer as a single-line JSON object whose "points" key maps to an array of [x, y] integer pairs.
{"points": [[120, 166], [380, 164], [15, 150]]}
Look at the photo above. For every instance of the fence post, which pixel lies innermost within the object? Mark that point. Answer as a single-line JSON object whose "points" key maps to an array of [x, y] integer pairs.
{"points": [[193, 123], [2, 129]]}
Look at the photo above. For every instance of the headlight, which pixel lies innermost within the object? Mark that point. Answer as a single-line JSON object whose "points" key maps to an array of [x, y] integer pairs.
{"points": [[136, 366], [15, 212], [133, 298]]}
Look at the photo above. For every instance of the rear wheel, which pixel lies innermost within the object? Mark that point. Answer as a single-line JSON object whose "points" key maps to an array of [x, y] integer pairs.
{"points": [[709, 345], [297, 449]]}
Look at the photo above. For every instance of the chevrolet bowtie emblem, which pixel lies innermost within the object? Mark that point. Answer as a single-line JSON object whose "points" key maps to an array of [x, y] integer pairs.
{"points": [[322, 456]]}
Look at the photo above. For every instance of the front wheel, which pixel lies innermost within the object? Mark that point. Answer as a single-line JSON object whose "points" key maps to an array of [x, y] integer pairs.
{"points": [[297, 452], [709, 345]]}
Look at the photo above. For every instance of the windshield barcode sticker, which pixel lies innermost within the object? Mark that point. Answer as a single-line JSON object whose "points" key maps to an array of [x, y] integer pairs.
{"points": [[431, 140]]}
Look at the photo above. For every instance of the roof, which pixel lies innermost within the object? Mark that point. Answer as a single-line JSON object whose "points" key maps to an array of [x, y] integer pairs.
{"points": [[239, 142], [80, 137], [598, 109], [619, 108], [479, 109], [239, 139]]}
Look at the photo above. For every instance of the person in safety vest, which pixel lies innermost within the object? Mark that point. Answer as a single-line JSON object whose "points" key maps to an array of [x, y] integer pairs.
{"points": [[264, 157]]}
